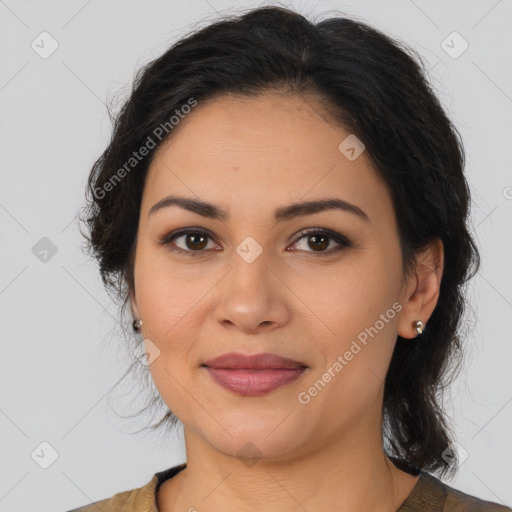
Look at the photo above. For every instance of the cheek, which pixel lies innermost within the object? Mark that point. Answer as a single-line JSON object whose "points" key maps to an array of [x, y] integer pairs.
{"points": [[166, 291], [357, 311], [346, 298], [169, 300]]}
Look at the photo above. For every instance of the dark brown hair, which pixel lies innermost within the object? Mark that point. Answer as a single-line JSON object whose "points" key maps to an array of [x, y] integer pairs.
{"points": [[378, 88]]}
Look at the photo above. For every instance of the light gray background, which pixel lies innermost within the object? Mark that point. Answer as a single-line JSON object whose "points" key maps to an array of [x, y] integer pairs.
{"points": [[59, 334]]}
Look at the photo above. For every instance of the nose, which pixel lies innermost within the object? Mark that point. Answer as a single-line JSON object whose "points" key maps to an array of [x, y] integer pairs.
{"points": [[252, 297]]}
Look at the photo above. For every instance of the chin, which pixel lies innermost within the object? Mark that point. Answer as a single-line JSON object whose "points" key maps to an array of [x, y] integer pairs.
{"points": [[253, 443]]}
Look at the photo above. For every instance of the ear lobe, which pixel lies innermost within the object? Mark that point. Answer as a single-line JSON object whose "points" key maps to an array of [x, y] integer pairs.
{"points": [[133, 305], [422, 291], [135, 313]]}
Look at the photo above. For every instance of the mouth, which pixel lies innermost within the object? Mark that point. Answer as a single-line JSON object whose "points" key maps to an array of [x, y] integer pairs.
{"points": [[253, 375], [254, 382], [264, 361]]}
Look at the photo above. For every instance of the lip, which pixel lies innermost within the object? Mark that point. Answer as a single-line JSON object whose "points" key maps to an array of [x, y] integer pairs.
{"points": [[254, 382], [264, 361], [253, 375]]}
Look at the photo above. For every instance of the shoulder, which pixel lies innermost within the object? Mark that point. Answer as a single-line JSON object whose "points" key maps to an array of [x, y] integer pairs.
{"points": [[141, 498], [459, 501], [434, 495]]}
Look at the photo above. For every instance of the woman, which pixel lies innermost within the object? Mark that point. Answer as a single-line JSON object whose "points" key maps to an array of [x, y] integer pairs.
{"points": [[283, 207]]}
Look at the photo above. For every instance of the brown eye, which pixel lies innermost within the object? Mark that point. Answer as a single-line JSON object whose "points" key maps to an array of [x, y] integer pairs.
{"points": [[319, 240], [195, 241], [190, 242]]}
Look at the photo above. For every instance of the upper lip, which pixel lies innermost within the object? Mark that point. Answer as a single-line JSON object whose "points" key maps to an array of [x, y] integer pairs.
{"points": [[235, 360]]}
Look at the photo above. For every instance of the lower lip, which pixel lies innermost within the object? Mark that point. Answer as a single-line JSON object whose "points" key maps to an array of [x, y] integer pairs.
{"points": [[254, 382]]}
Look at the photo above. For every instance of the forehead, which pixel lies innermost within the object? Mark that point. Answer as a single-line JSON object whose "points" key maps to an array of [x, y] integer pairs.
{"points": [[274, 147]]}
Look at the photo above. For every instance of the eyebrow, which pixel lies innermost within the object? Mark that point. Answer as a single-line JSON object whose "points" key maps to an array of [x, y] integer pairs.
{"points": [[282, 214]]}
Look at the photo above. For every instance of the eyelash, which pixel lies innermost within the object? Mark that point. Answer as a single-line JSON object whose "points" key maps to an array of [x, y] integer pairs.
{"points": [[340, 239]]}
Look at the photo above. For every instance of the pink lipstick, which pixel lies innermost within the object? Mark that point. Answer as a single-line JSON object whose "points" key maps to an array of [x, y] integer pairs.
{"points": [[253, 375]]}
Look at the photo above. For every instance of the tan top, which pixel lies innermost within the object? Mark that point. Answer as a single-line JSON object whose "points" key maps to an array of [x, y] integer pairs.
{"points": [[429, 494]]}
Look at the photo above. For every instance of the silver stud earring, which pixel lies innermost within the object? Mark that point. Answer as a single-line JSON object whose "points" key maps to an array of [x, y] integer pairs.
{"points": [[418, 326], [137, 324]]}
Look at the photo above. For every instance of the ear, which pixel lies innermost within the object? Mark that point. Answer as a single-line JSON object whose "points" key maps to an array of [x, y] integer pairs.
{"points": [[133, 305], [421, 290]]}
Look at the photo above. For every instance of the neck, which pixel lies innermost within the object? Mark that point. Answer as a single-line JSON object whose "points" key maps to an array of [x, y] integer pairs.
{"points": [[351, 473]]}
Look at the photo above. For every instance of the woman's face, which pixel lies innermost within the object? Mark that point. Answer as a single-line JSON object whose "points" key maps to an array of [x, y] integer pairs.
{"points": [[249, 283]]}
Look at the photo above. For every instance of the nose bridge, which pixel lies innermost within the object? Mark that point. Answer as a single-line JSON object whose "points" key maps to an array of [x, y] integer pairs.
{"points": [[251, 294], [250, 264]]}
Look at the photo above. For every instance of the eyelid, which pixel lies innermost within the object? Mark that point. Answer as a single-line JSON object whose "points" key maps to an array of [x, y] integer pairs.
{"points": [[338, 237], [170, 237], [342, 241]]}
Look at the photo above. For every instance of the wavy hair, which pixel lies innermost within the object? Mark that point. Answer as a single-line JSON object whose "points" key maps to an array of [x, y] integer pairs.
{"points": [[369, 83]]}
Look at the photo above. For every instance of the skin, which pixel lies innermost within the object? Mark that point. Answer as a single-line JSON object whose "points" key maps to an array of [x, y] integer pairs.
{"points": [[250, 156]]}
